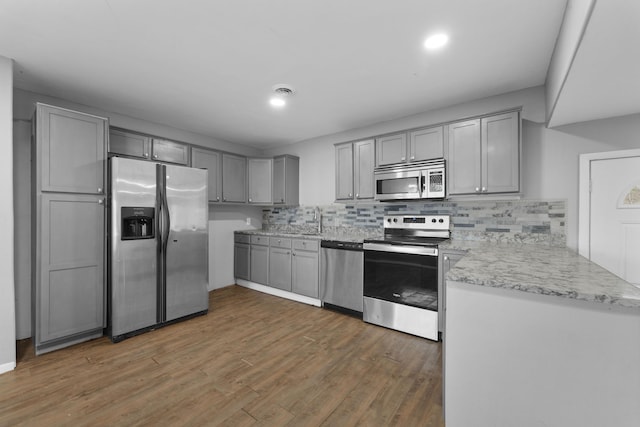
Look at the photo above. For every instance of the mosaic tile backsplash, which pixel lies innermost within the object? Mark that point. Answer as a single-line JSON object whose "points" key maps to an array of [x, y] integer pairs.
{"points": [[525, 221]]}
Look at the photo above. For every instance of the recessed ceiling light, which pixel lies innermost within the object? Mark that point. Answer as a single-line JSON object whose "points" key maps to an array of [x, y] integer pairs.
{"points": [[281, 93], [436, 41], [277, 102]]}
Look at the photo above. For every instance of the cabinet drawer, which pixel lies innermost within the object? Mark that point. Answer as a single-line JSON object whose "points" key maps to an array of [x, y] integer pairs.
{"points": [[280, 242], [306, 245], [242, 238], [260, 240]]}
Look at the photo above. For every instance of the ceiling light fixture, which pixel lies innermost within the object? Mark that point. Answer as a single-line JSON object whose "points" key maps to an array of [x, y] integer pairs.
{"points": [[281, 93], [436, 41]]}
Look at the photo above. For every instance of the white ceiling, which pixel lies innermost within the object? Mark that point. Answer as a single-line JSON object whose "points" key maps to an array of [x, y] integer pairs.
{"points": [[209, 66]]}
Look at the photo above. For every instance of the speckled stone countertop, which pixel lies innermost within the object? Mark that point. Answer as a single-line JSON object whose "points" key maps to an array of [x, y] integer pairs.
{"points": [[540, 269], [338, 235]]}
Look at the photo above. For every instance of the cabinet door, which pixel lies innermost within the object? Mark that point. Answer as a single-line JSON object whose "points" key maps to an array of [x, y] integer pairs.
{"points": [[463, 165], [344, 171], [391, 149], [305, 273], [501, 153], [70, 298], [241, 261], [71, 150], [129, 144], [260, 172], [234, 178], [169, 151], [286, 180], [363, 164], [259, 261], [280, 268], [425, 144], [211, 161]]}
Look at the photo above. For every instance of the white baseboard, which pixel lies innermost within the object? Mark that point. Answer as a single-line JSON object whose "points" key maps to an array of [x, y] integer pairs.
{"points": [[279, 293], [6, 367]]}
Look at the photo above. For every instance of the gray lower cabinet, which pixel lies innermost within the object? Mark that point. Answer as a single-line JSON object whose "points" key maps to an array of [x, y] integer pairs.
{"points": [[130, 144], [259, 260], [305, 268], [212, 162], [170, 151], [242, 256], [234, 178], [260, 176], [68, 273]]}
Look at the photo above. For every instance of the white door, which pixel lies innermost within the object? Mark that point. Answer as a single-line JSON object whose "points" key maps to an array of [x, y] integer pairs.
{"points": [[614, 227]]}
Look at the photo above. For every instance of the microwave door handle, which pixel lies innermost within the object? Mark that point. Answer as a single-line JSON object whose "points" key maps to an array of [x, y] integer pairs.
{"points": [[423, 188]]}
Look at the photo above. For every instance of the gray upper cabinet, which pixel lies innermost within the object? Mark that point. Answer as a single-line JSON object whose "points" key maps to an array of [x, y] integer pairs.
{"points": [[501, 153], [363, 164], [425, 144], [391, 149], [463, 166], [130, 144], [484, 155], [212, 162], [344, 171], [234, 178], [170, 151], [71, 150], [286, 180], [260, 176]]}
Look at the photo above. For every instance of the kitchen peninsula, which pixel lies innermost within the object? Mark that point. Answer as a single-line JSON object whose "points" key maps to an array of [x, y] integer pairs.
{"points": [[538, 335]]}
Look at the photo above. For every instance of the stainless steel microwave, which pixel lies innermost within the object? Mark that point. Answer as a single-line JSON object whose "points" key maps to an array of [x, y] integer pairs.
{"points": [[412, 181]]}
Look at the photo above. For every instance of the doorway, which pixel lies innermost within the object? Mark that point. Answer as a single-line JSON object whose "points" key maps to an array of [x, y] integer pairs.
{"points": [[609, 212]]}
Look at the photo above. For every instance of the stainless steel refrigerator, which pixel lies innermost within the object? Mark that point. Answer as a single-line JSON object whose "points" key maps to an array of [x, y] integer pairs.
{"points": [[158, 237]]}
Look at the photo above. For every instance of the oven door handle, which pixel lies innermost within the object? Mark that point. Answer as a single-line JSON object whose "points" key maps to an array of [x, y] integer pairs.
{"points": [[401, 249]]}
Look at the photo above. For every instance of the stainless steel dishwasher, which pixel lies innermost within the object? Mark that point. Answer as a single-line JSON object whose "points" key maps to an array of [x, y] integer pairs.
{"points": [[341, 276]]}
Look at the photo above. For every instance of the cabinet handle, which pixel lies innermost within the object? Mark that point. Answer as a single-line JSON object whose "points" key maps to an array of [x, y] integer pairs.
{"points": [[224, 200], [101, 202], [403, 158], [446, 258], [293, 254], [413, 157], [357, 195], [484, 189], [477, 189], [155, 156], [281, 200], [217, 199], [99, 189], [350, 195], [146, 154], [249, 200]]}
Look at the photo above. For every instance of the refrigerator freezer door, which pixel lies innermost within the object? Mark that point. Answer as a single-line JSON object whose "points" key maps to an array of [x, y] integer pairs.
{"points": [[133, 291], [187, 245]]}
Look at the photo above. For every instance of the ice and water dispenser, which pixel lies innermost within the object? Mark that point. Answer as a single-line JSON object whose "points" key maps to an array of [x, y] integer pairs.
{"points": [[137, 223]]}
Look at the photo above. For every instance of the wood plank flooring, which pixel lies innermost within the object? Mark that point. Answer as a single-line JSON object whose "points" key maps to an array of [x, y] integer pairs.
{"points": [[254, 360]]}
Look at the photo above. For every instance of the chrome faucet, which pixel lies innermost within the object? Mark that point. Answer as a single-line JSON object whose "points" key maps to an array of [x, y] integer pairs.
{"points": [[317, 216]]}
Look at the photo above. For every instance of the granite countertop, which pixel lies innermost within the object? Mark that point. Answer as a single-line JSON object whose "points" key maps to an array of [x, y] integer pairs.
{"points": [[540, 269], [340, 235]]}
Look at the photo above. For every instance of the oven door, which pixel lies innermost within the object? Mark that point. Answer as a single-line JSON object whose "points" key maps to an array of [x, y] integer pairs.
{"points": [[398, 185], [402, 274]]}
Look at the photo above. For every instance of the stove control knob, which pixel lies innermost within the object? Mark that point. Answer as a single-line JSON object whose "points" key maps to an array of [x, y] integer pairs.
{"points": [[395, 219], [441, 221], [433, 220]]}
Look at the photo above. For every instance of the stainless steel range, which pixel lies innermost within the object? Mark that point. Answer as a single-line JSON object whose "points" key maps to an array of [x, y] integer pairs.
{"points": [[401, 274]]}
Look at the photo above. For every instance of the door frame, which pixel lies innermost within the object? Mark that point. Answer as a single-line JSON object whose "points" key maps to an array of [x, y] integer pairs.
{"points": [[584, 194]]}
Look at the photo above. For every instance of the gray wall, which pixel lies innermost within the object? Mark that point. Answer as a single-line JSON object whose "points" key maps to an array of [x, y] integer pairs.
{"points": [[7, 301]]}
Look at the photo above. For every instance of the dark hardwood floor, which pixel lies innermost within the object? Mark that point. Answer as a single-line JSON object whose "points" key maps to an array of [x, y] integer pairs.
{"points": [[254, 359]]}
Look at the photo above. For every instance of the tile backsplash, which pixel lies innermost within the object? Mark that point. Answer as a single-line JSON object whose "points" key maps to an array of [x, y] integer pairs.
{"points": [[526, 221]]}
